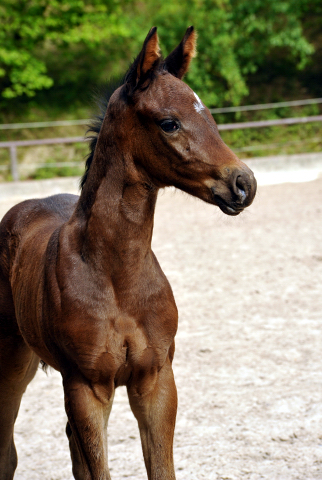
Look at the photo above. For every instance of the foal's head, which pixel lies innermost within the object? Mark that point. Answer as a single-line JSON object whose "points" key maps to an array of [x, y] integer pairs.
{"points": [[172, 137]]}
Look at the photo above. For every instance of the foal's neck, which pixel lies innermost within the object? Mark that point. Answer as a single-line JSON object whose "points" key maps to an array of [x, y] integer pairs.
{"points": [[115, 214]]}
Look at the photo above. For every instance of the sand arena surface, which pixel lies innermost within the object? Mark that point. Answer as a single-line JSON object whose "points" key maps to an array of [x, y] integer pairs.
{"points": [[248, 362]]}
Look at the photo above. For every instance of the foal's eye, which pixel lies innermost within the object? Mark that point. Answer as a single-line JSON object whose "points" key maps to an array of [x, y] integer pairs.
{"points": [[169, 126]]}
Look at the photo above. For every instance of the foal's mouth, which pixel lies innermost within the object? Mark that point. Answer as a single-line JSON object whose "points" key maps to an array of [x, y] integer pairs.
{"points": [[229, 208]]}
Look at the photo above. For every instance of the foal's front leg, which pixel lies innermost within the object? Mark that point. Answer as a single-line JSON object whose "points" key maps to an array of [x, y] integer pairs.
{"points": [[88, 408], [153, 400]]}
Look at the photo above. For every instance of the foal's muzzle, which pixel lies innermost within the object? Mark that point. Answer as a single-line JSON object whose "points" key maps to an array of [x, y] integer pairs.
{"points": [[239, 193]]}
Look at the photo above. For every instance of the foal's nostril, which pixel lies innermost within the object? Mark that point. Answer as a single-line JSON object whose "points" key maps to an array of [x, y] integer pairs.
{"points": [[242, 195], [241, 187]]}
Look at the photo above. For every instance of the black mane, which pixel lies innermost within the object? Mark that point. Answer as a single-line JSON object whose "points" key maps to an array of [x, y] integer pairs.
{"points": [[102, 98]]}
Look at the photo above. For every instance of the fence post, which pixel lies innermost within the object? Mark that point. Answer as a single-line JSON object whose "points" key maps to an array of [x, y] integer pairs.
{"points": [[14, 163]]}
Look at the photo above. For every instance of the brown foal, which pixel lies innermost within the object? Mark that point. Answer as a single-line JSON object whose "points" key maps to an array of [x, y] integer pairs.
{"points": [[80, 287]]}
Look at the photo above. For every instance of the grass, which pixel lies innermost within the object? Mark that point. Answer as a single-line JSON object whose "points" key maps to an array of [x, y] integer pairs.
{"points": [[277, 140], [42, 173]]}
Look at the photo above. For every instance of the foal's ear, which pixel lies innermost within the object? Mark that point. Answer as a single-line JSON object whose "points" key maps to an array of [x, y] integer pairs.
{"points": [[177, 63], [145, 63]]}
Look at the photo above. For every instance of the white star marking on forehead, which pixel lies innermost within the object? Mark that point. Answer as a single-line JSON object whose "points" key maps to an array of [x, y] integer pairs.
{"points": [[198, 105]]}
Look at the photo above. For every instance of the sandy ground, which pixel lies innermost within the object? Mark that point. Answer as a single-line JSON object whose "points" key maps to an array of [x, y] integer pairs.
{"points": [[248, 361]]}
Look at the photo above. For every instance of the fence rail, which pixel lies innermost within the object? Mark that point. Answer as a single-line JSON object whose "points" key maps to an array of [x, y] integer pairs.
{"points": [[13, 144], [265, 106], [269, 123], [58, 123]]}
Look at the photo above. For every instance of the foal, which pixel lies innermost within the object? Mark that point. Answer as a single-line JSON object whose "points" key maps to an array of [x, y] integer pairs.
{"points": [[80, 287]]}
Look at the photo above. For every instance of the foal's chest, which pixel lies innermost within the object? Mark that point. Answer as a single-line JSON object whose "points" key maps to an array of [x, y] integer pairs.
{"points": [[115, 334]]}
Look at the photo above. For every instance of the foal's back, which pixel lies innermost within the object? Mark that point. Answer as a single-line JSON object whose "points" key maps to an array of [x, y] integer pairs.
{"points": [[43, 211], [35, 218]]}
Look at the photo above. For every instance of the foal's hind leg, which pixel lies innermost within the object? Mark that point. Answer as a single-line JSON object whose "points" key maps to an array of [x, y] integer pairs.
{"points": [[18, 365]]}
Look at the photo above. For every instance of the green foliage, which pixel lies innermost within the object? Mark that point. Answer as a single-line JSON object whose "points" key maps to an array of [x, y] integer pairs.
{"points": [[53, 51], [235, 39], [38, 33]]}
